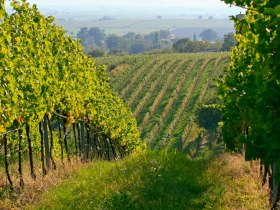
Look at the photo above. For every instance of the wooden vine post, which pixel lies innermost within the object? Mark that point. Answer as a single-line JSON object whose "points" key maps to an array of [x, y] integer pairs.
{"points": [[83, 141], [46, 141], [7, 160], [21, 182], [30, 152]]}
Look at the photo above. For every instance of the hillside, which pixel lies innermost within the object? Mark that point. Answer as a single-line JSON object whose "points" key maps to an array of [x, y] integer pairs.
{"points": [[67, 141], [165, 93]]}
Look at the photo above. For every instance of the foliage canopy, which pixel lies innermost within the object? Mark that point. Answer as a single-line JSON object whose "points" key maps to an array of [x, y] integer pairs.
{"points": [[43, 70], [251, 88]]}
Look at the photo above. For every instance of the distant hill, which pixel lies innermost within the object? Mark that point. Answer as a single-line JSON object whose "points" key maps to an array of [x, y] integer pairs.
{"points": [[179, 27]]}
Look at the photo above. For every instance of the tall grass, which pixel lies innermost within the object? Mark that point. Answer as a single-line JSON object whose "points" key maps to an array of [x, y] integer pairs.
{"points": [[160, 180]]}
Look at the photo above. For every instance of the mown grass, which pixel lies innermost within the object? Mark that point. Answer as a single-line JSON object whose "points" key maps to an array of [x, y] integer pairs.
{"points": [[160, 180]]}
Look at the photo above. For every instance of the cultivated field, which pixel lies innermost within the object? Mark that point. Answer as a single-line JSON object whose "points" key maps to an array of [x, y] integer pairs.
{"points": [[178, 27], [165, 93]]}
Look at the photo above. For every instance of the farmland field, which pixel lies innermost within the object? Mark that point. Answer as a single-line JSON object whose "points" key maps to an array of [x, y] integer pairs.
{"points": [[178, 27], [149, 131], [165, 93]]}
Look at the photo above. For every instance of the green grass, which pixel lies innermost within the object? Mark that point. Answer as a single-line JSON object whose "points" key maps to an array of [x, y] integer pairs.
{"points": [[158, 180]]}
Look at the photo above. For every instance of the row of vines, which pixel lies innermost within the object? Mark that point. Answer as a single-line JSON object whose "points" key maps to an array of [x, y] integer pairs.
{"points": [[250, 90], [55, 103], [166, 97]]}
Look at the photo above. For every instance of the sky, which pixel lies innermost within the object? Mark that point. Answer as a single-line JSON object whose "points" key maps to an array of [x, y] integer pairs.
{"points": [[191, 3], [139, 8], [201, 4]]}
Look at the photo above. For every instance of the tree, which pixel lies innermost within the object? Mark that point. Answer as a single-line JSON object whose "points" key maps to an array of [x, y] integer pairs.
{"points": [[96, 53], [208, 117], [139, 36], [98, 35], [92, 37], [130, 35], [186, 45], [229, 41], [165, 34], [183, 45], [208, 35], [82, 34], [138, 46], [154, 37], [165, 43], [117, 44]]}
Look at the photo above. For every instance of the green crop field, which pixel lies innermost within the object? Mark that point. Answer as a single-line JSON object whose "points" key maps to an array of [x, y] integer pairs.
{"points": [[165, 93]]}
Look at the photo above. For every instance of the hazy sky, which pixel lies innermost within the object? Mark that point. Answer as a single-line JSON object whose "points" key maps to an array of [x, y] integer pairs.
{"points": [[131, 8], [135, 3]]}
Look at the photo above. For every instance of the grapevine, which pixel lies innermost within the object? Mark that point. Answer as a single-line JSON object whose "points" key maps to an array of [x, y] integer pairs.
{"points": [[250, 89], [145, 80], [152, 88], [182, 107], [44, 72]]}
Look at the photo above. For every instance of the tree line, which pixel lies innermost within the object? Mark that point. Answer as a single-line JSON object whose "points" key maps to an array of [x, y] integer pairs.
{"points": [[97, 43]]}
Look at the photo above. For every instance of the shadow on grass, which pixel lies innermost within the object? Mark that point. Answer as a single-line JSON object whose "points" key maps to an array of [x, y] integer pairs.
{"points": [[152, 180], [169, 182]]}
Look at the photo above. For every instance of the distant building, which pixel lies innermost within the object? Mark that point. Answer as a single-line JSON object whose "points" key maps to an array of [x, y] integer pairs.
{"points": [[240, 16]]}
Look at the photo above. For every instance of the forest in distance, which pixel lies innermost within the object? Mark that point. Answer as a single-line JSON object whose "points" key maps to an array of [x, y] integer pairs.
{"points": [[96, 43]]}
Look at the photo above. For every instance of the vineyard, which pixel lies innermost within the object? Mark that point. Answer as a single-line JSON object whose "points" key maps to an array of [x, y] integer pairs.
{"points": [[166, 93], [61, 110], [57, 104]]}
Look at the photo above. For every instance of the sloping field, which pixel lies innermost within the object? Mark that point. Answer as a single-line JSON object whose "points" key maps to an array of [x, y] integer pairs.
{"points": [[165, 93]]}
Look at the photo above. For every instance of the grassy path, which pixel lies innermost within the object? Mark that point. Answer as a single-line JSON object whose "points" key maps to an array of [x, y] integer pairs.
{"points": [[159, 180]]}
